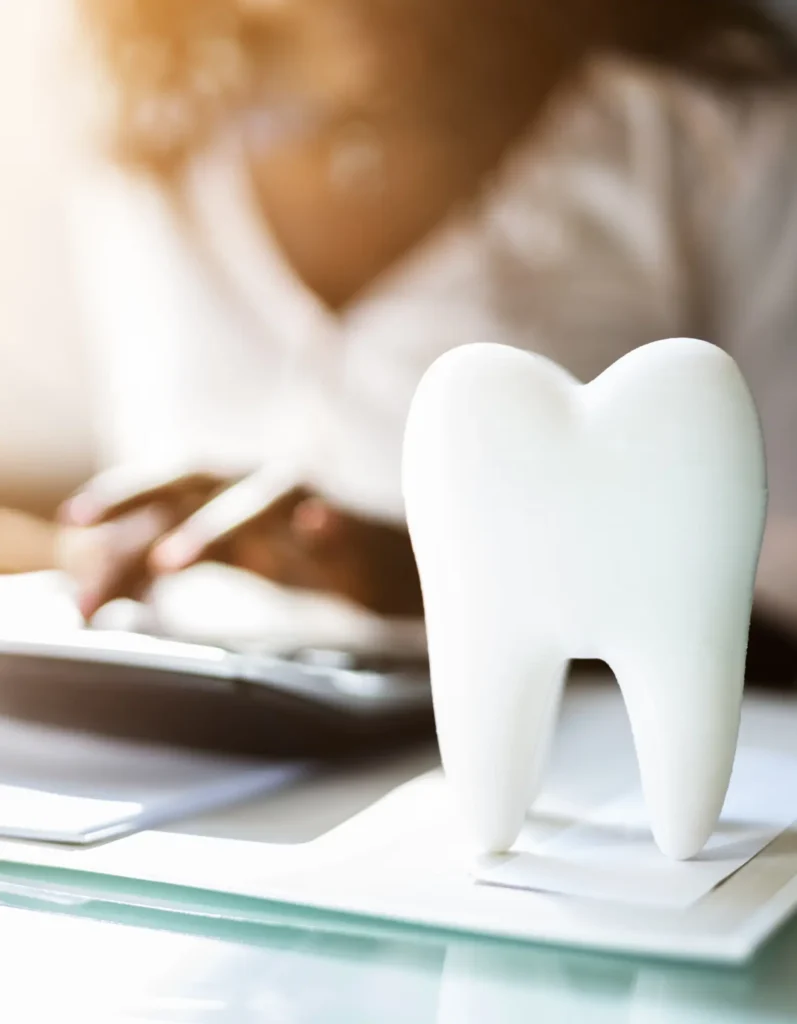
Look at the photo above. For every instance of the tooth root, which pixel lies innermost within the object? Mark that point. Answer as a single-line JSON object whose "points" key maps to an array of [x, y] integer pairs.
{"points": [[497, 672], [495, 720], [684, 709]]}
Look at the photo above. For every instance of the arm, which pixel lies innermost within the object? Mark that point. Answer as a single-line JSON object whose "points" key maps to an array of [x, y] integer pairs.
{"points": [[163, 356], [159, 339]]}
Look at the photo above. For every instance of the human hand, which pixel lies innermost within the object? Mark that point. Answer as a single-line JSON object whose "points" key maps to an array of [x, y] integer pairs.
{"points": [[293, 536], [109, 527]]}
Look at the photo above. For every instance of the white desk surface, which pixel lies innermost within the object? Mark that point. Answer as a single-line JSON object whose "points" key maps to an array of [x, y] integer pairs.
{"points": [[309, 809]]}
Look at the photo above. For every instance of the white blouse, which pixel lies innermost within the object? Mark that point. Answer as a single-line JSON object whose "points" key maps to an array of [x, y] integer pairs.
{"points": [[643, 207]]}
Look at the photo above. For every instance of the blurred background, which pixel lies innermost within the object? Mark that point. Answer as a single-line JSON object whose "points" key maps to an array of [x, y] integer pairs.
{"points": [[236, 232], [45, 438]]}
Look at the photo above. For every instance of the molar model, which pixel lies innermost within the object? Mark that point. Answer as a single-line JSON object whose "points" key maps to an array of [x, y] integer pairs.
{"points": [[621, 520]]}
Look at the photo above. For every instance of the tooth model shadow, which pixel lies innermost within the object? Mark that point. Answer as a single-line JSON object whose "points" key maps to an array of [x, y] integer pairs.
{"points": [[620, 520]]}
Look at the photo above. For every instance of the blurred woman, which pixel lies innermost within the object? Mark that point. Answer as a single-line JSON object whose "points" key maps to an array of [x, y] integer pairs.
{"points": [[297, 205]]}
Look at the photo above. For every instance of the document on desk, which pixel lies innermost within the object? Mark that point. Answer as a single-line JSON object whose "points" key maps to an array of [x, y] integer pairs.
{"points": [[70, 787], [610, 855]]}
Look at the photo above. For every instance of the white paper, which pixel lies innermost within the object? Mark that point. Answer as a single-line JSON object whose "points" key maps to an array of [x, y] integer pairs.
{"points": [[36, 604], [610, 853], [71, 787]]}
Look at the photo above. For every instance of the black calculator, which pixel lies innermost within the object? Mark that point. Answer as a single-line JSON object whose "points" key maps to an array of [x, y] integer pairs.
{"points": [[308, 702]]}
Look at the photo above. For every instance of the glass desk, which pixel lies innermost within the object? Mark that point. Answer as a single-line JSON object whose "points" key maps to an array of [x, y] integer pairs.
{"points": [[75, 950], [81, 959]]}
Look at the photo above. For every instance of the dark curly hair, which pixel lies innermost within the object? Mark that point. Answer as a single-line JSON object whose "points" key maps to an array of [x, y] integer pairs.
{"points": [[173, 69]]}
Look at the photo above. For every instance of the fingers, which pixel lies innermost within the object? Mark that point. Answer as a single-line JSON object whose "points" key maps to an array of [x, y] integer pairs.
{"points": [[270, 526], [121, 579], [317, 526], [118, 492], [302, 549], [109, 561], [366, 561], [274, 556], [260, 500]]}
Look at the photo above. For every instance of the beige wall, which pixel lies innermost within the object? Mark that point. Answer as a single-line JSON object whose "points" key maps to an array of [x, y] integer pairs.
{"points": [[44, 439]]}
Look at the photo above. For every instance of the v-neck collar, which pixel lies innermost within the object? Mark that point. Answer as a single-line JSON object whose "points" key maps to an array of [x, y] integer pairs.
{"points": [[254, 264]]}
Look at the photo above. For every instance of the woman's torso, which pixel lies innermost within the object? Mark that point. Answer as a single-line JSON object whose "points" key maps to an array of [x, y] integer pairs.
{"points": [[642, 207]]}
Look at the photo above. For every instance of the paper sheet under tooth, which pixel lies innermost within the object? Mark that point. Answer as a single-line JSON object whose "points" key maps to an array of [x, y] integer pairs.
{"points": [[610, 855]]}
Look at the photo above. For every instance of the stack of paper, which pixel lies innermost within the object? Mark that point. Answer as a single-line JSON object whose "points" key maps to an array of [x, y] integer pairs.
{"points": [[72, 787]]}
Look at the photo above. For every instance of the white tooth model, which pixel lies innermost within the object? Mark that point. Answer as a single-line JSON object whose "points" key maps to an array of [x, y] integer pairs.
{"points": [[619, 520]]}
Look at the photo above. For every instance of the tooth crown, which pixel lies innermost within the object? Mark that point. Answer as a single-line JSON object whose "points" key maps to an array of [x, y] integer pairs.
{"points": [[620, 519]]}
